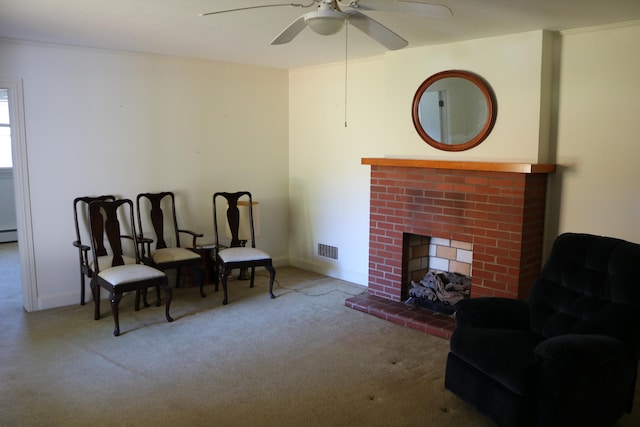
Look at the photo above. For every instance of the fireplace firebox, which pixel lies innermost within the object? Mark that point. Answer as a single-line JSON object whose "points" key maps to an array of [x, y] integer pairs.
{"points": [[435, 272]]}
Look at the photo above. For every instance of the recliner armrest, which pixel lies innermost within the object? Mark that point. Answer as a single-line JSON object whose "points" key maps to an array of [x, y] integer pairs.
{"points": [[579, 349], [493, 312]]}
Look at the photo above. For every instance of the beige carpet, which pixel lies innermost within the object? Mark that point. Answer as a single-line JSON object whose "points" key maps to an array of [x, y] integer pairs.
{"points": [[303, 359]]}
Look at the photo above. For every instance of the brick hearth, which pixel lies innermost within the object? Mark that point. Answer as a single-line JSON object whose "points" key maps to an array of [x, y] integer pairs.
{"points": [[497, 207], [431, 322]]}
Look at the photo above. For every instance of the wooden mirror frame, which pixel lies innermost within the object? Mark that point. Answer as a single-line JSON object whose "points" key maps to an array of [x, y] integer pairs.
{"points": [[489, 98]]}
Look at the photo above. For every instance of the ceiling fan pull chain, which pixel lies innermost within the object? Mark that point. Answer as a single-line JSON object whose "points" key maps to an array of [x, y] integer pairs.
{"points": [[346, 50]]}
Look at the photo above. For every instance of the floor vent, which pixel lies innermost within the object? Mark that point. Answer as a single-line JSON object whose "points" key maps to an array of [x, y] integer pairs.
{"points": [[327, 251]]}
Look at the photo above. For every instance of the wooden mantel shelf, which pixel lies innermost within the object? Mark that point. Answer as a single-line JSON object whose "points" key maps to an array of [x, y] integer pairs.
{"points": [[471, 166]]}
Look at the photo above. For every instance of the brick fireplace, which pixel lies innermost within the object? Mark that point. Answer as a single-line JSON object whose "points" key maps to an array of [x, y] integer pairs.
{"points": [[498, 208]]}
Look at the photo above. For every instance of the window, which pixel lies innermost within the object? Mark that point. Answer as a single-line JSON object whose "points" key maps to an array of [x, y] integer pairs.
{"points": [[5, 131]]}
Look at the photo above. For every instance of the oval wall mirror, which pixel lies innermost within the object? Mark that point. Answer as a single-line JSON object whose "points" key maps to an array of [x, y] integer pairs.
{"points": [[454, 110]]}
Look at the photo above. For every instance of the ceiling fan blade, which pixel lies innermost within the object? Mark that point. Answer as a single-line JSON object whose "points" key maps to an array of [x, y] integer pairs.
{"points": [[405, 6], [258, 7], [376, 31], [291, 31]]}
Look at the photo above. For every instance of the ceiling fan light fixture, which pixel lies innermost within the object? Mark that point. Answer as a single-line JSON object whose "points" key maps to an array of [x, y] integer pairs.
{"points": [[325, 22]]}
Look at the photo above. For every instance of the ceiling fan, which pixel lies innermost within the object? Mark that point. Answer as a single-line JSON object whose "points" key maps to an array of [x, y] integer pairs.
{"points": [[330, 16]]}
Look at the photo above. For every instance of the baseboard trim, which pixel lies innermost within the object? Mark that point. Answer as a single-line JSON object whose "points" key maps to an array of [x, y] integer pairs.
{"points": [[329, 269]]}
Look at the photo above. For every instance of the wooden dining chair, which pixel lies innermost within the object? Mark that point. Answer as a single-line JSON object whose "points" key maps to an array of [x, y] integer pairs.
{"points": [[161, 244], [82, 243], [113, 271], [238, 255]]}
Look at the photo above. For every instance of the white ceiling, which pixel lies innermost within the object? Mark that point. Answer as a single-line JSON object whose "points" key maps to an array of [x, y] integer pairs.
{"points": [[173, 27]]}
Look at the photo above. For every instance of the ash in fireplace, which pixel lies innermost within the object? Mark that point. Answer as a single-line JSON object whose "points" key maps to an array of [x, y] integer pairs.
{"points": [[439, 290]]}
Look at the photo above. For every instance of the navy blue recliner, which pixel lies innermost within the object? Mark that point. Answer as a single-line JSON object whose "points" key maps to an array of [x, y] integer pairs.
{"points": [[567, 356]]}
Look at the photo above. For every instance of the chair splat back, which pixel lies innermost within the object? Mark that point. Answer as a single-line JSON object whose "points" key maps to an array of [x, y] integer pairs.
{"points": [[157, 216], [112, 229], [98, 230], [77, 211], [233, 217], [157, 220]]}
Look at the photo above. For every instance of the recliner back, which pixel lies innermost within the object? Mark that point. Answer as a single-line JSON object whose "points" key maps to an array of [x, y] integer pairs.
{"points": [[589, 285]]}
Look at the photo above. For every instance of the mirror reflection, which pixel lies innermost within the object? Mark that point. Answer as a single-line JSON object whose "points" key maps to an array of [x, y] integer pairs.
{"points": [[453, 110]]}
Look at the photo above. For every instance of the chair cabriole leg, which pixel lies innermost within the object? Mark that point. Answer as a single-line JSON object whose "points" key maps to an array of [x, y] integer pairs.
{"points": [[82, 288], [136, 307], [115, 302], [272, 277], [95, 290], [223, 279], [168, 295]]}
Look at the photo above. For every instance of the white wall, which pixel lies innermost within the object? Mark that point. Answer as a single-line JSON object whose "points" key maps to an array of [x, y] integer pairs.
{"points": [[290, 130], [110, 122], [329, 189], [598, 126], [329, 186], [571, 99], [513, 67]]}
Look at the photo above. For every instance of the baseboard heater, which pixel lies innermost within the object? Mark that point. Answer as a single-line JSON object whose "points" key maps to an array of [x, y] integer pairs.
{"points": [[9, 235]]}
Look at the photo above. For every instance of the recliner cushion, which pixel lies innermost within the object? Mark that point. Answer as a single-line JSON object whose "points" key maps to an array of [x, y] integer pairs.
{"points": [[505, 355]]}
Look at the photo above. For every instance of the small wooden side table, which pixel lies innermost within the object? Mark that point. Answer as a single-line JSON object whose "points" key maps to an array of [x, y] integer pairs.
{"points": [[208, 253]]}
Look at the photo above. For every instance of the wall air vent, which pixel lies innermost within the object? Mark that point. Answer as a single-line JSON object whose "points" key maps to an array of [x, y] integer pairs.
{"points": [[327, 251]]}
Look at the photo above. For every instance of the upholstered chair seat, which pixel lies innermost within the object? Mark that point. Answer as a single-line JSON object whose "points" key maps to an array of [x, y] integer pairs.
{"points": [[242, 254], [122, 274], [168, 255]]}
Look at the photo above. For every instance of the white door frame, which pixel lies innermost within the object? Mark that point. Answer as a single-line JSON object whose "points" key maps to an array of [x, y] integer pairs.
{"points": [[21, 186]]}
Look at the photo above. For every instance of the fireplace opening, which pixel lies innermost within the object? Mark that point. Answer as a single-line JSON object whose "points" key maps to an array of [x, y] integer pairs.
{"points": [[436, 273]]}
